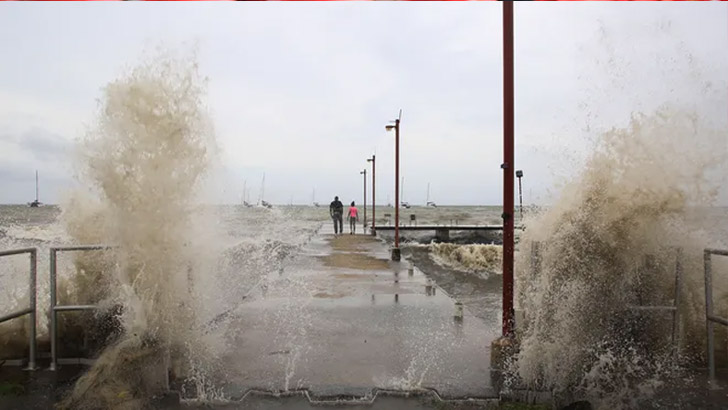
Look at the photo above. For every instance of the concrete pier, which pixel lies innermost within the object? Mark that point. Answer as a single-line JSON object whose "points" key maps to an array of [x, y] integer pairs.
{"points": [[442, 235], [345, 320]]}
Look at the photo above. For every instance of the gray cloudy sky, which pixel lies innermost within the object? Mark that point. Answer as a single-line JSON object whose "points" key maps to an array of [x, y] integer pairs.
{"points": [[302, 91]]}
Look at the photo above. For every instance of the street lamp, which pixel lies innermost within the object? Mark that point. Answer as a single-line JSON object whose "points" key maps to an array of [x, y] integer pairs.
{"points": [[374, 194], [508, 168], [364, 172], [396, 255]]}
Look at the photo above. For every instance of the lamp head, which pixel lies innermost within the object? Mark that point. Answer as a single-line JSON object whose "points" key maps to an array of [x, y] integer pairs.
{"points": [[389, 127], [519, 173]]}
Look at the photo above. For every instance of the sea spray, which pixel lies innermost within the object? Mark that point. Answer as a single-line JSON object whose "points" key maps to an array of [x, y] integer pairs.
{"points": [[579, 336], [478, 259], [143, 162]]}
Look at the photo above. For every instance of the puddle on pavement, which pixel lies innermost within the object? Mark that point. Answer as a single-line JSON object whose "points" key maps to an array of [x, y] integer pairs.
{"points": [[354, 261]]}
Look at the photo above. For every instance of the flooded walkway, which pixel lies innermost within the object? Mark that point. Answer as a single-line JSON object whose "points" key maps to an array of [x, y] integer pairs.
{"points": [[342, 320]]}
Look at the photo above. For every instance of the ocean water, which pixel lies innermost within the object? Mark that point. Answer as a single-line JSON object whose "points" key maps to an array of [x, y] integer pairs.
{"points": [[239, 230]]}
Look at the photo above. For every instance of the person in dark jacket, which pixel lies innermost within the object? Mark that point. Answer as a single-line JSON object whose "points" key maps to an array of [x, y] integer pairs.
{"points": [[336, 209]]}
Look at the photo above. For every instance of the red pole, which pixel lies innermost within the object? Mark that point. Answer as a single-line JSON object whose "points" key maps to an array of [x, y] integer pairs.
{"points": [[364, 227], [373, 160], [508, 160], [396, 183]]}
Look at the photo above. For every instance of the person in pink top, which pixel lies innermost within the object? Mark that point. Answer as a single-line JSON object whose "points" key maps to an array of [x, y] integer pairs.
{"points": [[353, 214]]}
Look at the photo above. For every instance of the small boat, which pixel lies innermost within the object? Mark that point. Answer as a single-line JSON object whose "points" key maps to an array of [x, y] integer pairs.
{"points": [[403, 203], [428, 202], [262, 202], [245, 195], [36, 203], [313, 199]]}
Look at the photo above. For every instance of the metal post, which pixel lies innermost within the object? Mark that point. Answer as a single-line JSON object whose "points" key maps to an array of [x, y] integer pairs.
{"points": [[395, 251], [53, 331], [396, 183], [374, 194], [508, 157], [364, 172], [519, 174], [31, 315], [675, 316], [709, 313]]}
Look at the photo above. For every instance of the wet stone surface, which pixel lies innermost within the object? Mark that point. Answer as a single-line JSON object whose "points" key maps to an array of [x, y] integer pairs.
{"points": [[337, 328], [382, 401]]}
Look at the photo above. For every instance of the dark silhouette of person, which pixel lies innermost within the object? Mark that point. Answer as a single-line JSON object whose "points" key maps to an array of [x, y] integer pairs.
{"points": [[336, 209]]}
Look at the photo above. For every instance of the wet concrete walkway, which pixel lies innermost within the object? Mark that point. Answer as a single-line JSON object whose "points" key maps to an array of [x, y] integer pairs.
{"points": [[342, 319]]}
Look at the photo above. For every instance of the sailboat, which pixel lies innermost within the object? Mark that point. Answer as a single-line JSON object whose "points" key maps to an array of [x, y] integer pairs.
{"points": [[245, 195], [403, 204], [261, 201], [313, 199], [36, 203], [428, 202]]}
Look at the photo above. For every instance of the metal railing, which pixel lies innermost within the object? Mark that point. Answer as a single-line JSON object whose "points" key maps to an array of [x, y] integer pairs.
{"points": [[710, 318], [54, 306], [674, 308], [30, 311], [536, 261]]}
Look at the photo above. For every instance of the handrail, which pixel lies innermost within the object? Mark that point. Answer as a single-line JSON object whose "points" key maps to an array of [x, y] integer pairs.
{"points": [[31, 310], [676, 301], [536, 268], [54, 306], [710, 318]]}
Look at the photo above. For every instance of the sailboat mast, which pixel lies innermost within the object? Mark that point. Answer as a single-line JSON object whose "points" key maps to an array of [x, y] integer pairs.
{"points": [[36, 185], [428, 193]]}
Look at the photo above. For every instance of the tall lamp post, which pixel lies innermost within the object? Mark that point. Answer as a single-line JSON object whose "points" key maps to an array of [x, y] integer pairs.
{"points": [[364, 172], [396, 255], [374, 193], [508, 160]]}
